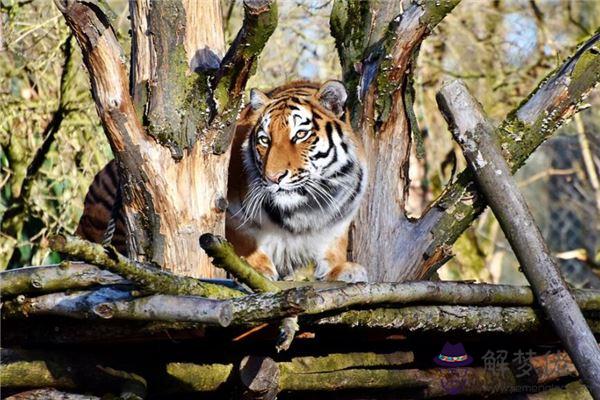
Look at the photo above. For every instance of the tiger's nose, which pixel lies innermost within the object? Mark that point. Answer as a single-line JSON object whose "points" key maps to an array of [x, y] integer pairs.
{"points": [[276, 177]]}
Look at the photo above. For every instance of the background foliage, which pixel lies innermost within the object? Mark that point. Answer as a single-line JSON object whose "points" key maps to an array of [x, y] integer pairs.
{"points": [[501, 48]]}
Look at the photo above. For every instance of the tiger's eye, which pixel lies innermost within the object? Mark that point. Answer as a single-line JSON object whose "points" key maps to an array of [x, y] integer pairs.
{"points": [[301, 134], [263, 141]]}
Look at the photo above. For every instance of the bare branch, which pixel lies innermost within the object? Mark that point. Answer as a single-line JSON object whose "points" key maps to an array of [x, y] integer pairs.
{"points": [[475, 135], [150, 278], [55, 278], [554, 101]]}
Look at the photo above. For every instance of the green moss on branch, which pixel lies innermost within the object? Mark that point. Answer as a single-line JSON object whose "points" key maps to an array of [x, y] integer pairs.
{"points": [[224, 257], [147, 277]]}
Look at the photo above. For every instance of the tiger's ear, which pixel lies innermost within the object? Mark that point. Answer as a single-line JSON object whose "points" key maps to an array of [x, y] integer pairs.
{"points": [[332, 95], [258, 99]]}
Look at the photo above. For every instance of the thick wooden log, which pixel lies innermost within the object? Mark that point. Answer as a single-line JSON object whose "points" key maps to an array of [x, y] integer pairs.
{"points": [[343, 361], [441, 319], [476, 136], [168, 308], [38, 369], [112, 303], [259, 378]]}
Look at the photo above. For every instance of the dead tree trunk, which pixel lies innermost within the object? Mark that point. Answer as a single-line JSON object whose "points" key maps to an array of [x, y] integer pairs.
{"points": [[378, 43], [170, 124]]}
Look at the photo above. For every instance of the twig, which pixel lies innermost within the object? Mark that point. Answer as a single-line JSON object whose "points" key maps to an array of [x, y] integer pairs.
{"points": [[149, 278], [475, 135]]}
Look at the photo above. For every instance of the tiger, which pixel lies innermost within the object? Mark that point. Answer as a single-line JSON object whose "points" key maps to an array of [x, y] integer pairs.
{"points": [[297, 175]]}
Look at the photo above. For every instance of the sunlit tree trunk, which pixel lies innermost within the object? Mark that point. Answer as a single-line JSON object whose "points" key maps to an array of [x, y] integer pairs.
{"points": [[170, 123]]}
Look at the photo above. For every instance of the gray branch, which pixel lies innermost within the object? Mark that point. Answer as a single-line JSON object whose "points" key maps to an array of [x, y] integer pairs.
{"points": [[476, 136]]}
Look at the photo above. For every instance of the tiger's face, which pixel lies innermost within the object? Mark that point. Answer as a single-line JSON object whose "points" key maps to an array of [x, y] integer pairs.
{"points": [[300, 144], [303, 161]]}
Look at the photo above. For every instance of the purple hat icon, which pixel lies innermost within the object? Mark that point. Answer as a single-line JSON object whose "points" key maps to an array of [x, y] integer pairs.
{"points": [[453, 355]]}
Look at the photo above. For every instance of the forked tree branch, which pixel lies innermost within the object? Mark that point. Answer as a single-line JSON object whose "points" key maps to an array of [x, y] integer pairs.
{"points": [[556, 99], [104, 59], [378, 42], [229, 82], [477, 138], [147, 276]]}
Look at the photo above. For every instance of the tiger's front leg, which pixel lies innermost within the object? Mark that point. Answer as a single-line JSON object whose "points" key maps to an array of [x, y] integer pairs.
{"points": [[261, 262], [335, 266]]}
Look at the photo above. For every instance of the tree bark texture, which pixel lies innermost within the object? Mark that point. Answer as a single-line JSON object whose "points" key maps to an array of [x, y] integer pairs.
{"points": [[55, 278], [378, 44], [147, 276], [171, 135], [476, 136], [38, 369]]}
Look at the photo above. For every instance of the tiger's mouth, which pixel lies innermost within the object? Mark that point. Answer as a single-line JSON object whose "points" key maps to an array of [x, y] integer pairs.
{"points": [[295, 185]]}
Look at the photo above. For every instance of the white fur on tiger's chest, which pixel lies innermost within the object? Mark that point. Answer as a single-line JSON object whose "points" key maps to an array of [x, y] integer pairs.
{"points": [[292, 251]]}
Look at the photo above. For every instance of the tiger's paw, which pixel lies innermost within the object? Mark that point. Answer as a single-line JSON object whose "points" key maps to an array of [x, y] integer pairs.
{"points": [[348, 272], [262, 264]]}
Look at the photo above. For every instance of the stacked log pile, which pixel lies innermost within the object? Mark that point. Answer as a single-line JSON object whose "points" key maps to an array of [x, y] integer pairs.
{"points": [[109, 325]]}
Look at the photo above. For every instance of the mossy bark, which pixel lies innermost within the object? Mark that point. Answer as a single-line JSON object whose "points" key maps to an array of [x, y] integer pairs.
{"points": [[148, 277], [553, 102], [173, 159], [378, 43], [39, 369]]}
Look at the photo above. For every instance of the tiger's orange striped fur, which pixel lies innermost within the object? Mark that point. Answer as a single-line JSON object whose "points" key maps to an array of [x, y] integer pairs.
{"points": [[296, 177]]}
